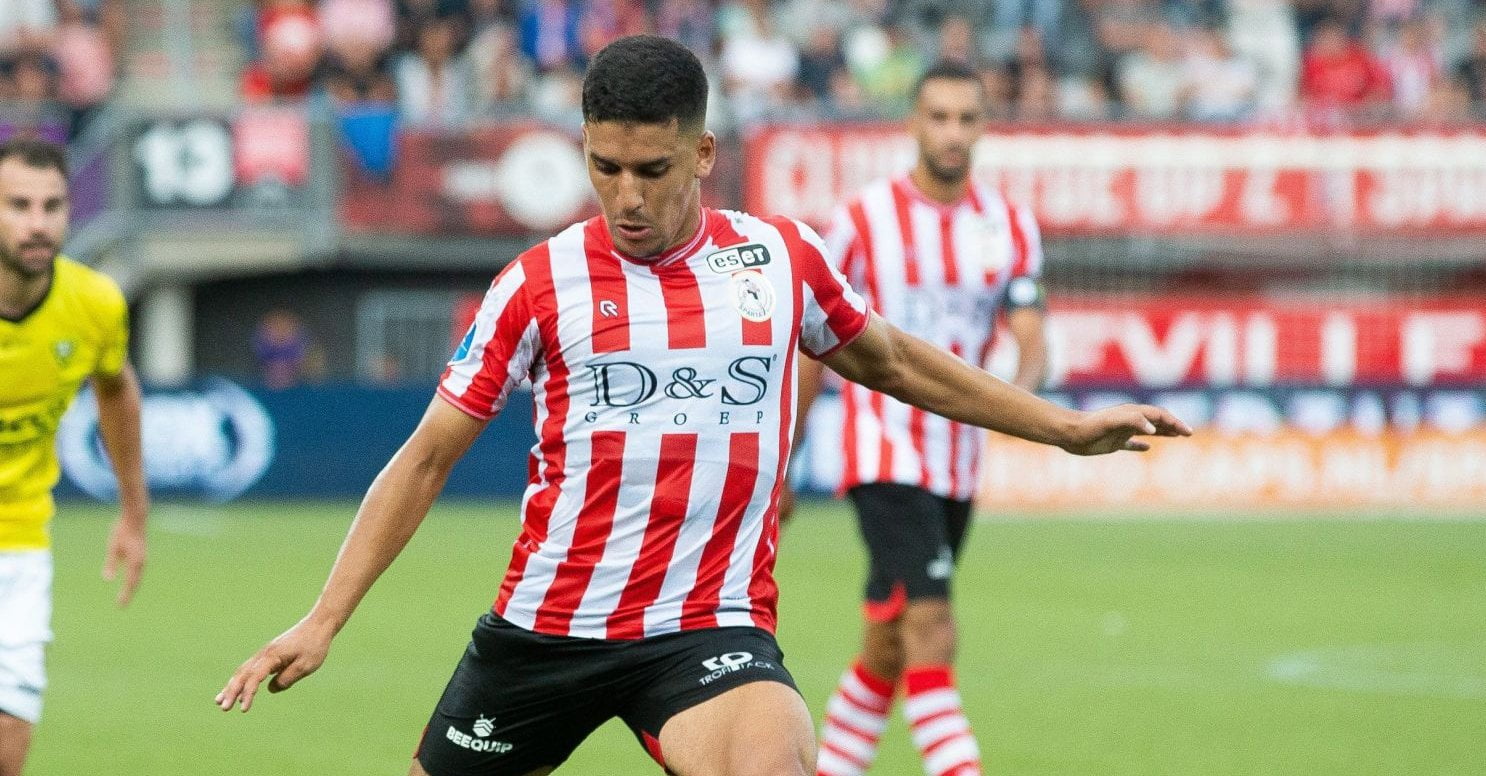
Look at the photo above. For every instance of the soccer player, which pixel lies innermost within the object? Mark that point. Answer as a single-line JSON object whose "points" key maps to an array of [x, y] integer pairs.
{"points": [[937, 255], [60, 324], [660, 340]]}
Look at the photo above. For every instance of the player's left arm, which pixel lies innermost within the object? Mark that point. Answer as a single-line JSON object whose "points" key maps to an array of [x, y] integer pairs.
{"points": [[887, 359], [1028, 326], [119, 401]]}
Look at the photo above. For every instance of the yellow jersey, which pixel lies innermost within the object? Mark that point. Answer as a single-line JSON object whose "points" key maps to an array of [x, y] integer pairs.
{"points": [[79, 329]]}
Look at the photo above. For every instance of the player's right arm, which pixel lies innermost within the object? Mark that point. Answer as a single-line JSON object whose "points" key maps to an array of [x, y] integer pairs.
{"points": [[499, 348], [886, 359], [394, 507]]}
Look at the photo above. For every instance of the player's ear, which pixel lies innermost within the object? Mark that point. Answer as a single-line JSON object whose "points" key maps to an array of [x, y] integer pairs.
{"points": [[706, 153]]}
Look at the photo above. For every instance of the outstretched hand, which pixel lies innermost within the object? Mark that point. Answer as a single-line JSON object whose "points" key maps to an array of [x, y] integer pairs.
{"points": [[1116, 428], [295, 654]]}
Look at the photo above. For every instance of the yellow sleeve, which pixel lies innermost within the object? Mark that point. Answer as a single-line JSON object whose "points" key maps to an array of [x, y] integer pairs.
{"points": [[113, 348]]}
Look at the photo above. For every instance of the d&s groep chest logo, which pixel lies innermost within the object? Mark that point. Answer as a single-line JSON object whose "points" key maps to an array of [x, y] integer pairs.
{"points": [[214, 442], [753, 295]]}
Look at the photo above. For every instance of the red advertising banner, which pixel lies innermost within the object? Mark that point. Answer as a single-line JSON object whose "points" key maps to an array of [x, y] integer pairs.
{"points": [[1161, 342], [1117, 179]]}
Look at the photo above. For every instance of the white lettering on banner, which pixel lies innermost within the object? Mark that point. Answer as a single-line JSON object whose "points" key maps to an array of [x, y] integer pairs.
{"points": [[1338, 349], [1162, 181], [1440, 342], [1158, 343]]}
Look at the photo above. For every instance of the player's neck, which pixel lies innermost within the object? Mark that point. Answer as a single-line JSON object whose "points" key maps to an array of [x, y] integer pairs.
{"points": [[20, 294], [941, 191]]}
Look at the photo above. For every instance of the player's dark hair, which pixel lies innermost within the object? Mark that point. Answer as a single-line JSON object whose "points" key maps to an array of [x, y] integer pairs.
{"points": [[35, 153], [947, 70], [646, 79]]}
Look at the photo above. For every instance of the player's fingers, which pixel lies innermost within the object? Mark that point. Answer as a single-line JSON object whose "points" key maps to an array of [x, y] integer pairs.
{"points": [[1166, 423], [244, 684], [1137, 445], [132, 575], [110, 563], [291, 674]]}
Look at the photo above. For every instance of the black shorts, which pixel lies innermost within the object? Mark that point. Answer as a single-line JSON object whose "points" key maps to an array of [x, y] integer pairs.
{"points": [[913, 540], [520, 700]]}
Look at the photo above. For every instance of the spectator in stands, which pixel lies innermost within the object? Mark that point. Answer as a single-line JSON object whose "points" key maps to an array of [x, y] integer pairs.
{"points": [[886, 64], [1012, 19], [434, 86], [1264, 32], [358, 36], [957, 42], [691, 22], [1036, 99], [1415, 65], [26, 25], [291, 45], [285, 352], [501, 73], [1339, 78], [85, 60], [1152, 80], [1471, 72], [551, 34], [605, 21], [33, 82], [1219, 85], [413, 14], [998, 91], [759, 66], [820, 61]]}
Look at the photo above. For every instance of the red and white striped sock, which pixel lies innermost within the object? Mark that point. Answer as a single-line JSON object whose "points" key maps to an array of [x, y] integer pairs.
{"points": [[937, 721], [855, 719]]}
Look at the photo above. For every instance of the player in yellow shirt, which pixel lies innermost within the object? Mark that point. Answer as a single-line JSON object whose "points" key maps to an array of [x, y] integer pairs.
{"points": [[60, 324]]}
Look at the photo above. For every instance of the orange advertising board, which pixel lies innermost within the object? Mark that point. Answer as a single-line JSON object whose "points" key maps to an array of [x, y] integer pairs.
{"points": [[1216, 471]]}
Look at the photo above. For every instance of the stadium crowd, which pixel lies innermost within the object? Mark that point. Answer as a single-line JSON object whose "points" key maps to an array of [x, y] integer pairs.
{"points": [[58, 56], [444, 62]]}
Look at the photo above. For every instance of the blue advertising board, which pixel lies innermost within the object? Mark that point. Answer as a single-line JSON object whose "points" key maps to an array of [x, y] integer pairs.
{"points": [[219, 441]]}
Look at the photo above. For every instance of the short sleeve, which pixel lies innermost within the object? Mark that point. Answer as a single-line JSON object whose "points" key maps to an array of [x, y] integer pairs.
{"points": [[497, 351], [113, 346], [834, 313]]}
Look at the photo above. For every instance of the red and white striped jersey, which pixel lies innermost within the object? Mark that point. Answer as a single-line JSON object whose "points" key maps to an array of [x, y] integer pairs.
{"points": [[938, 272], [665, 398]]}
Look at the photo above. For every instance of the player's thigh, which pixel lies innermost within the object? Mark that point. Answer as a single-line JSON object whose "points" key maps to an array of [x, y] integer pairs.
{"points": [[908, 543], [25, 629], [520, 702], [755, 729], [15, 741]]}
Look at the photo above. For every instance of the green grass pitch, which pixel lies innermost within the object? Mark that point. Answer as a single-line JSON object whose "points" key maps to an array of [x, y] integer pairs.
{"points": [[1089, 648]]}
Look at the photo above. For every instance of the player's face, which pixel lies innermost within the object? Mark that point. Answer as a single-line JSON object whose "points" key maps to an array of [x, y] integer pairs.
{"points": [[947, 121], [648, 179], [33, 217]]}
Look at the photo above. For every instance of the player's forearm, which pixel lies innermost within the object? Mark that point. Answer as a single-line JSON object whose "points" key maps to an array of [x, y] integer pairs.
{"points": [[933, 380], [394, 507], [119, 405]]}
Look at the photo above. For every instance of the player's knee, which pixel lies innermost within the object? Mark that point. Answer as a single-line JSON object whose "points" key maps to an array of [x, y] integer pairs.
{"points": [[884, 658], [929, 632]]}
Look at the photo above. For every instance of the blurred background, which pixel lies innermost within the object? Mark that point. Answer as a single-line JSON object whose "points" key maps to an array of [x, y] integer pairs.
{"points": [[1269, 215]]}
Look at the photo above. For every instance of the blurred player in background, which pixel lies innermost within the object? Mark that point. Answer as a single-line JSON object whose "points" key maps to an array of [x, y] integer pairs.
{"points": [[60, 324], [938, 255], [660, 339]]}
